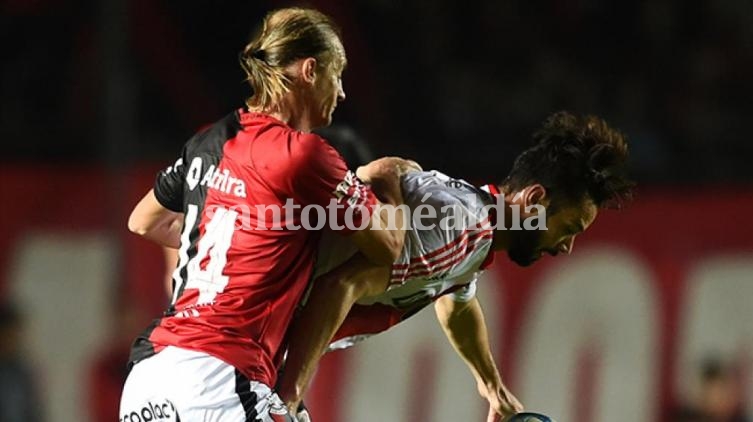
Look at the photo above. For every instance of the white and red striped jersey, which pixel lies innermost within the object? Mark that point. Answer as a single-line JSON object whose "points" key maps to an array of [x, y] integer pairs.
{"points": [[445, 251]]}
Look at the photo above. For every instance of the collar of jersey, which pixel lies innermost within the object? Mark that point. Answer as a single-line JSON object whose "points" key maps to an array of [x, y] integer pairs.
{"points": [[494, 191], [247, 117]]}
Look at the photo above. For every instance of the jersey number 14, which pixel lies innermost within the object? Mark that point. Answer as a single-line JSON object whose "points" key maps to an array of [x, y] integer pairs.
{"points": [[204, 270]]}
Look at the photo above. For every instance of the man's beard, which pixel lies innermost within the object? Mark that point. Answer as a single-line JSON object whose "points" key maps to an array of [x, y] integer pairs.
{"points": [[524, 249]]}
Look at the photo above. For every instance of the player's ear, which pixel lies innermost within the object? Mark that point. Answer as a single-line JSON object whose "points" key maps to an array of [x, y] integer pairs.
{"points": [[308, 70], [534, 195]]}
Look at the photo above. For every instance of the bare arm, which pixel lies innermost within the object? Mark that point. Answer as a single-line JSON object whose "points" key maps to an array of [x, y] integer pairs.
{"points": [[365, 274], [463, 323], [382, 241], [384, 176], [152, 221], [329, 303]]}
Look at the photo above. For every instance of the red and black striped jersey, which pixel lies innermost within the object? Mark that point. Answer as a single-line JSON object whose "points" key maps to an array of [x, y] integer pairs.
{"points": [[242, 268]]}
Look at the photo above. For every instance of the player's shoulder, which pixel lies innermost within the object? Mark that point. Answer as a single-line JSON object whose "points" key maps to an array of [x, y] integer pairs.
{"points": [[302, 154], [287, 158], [276, 141], [311, 145], [436, 180], [457, 203], [438, 189]]}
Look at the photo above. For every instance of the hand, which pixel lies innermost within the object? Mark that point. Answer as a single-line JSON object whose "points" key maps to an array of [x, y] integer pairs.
{"points": [[290, 398], [407, 166], [384, 176], [493, 416], [502, 404], [293, 406], [386, 165]]}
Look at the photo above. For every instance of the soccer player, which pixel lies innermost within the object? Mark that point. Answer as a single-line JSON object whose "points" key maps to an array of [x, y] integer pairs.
{"points": [[555, 188], [234, 204]]}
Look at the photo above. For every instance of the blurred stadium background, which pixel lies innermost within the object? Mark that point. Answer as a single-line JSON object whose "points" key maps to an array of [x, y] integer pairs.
{"points": [[649, 320]]}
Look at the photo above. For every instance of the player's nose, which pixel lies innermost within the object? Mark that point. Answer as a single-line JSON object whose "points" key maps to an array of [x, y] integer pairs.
{"points": [[567, 247], [340, 92]]}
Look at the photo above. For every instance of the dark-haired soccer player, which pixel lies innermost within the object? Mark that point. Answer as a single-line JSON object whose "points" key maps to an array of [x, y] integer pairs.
{"points": [[574, 168]]}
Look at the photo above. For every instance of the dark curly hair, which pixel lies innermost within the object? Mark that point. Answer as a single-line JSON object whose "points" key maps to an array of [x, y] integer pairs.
{"points": [[575, 158]]}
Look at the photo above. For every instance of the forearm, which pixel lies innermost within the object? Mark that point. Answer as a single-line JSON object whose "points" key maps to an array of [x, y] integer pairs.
{"points": [[152, 221], [167, 233], [466, 330], [330, 300], [308, 339], [382, 242]]}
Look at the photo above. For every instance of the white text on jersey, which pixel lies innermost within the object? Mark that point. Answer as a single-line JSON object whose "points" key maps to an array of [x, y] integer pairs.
{"points": [[215, 178]]}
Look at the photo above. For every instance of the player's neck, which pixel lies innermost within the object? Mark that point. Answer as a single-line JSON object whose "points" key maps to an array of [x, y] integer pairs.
{"points": [[502, 235], [292, 111]]}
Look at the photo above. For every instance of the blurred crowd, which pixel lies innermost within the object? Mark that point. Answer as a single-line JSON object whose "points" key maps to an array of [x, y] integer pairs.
{"points": [[19, 395], [719, 398], [456, 85]]}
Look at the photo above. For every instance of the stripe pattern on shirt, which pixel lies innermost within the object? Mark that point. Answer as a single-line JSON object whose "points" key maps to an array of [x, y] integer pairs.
{"points": [[441, 260]]}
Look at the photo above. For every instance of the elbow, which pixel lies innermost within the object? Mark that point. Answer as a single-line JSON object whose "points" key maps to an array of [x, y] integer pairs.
{"points": [[136, 226], [395, 247]]}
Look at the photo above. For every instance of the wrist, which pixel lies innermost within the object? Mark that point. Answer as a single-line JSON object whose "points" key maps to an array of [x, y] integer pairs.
{"points": [[490, 388], [289, 392], [291, 400]]}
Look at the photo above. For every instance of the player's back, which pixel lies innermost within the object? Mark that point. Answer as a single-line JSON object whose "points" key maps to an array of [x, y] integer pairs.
{"points": [[448, 243], [455, 220], [242, 264]]}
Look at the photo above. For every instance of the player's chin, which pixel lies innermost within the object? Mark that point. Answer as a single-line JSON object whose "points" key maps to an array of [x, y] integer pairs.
{"points": [[322, 122]]}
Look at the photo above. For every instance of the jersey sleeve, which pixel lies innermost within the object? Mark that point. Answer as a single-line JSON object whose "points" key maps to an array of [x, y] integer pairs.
{"points": [[322, 178], [168, 186], [465, 293]]}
